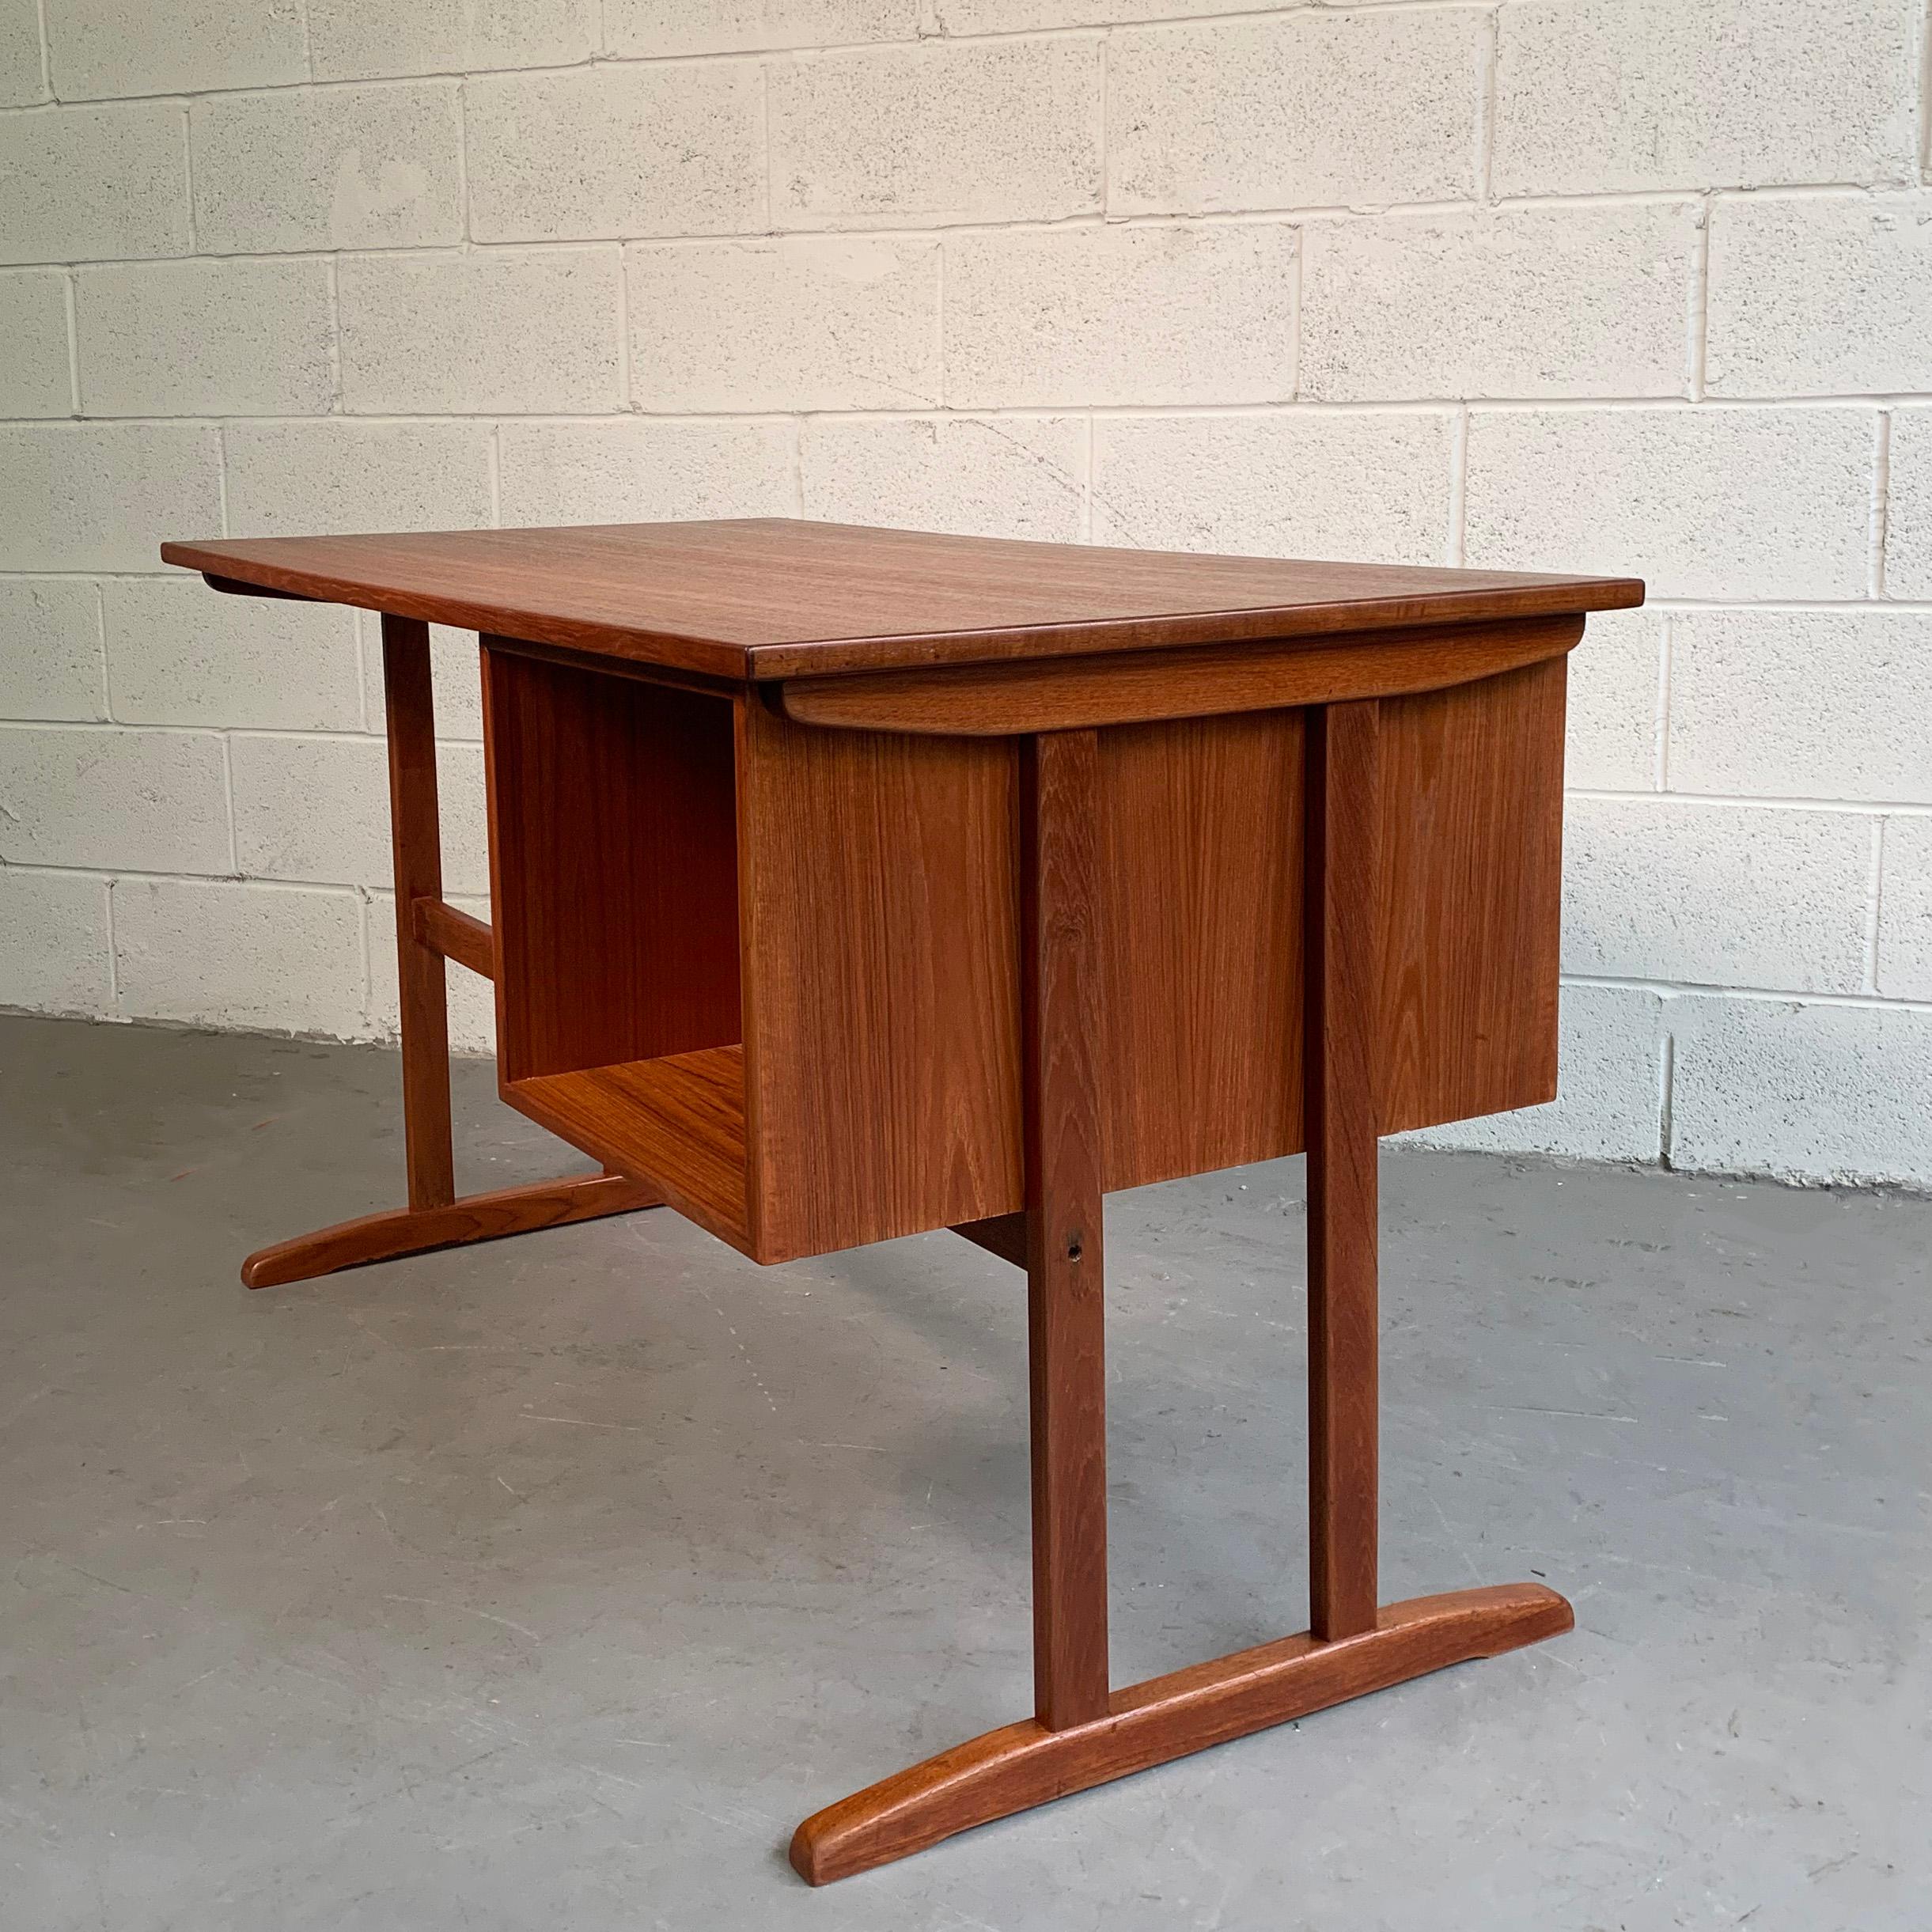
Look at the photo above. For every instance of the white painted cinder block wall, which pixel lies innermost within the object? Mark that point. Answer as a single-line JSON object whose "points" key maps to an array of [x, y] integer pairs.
{"points": [[1636, 286]]}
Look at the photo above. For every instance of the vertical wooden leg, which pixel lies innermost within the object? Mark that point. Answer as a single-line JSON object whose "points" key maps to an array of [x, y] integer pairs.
{"points": [[1064, 1257], [417, 841], [1340, 1102], [426, 931]]}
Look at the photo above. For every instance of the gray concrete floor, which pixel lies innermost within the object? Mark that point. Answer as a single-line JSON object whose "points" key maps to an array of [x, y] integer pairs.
{"points": [[548, 1583]]}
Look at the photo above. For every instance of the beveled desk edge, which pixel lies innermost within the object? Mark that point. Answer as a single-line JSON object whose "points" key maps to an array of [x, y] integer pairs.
{"points": [[274, 567]]}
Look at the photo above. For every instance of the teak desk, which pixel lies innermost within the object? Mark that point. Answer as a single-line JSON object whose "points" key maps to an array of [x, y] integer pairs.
{"points": [[848, 883]]}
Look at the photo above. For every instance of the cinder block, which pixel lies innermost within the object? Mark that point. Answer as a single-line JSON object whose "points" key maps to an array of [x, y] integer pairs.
{"points": [[35, 377], [986, 130], [1614, 678], [1508, 302], [1909, 527], [455, 680], [640, 471], [22, 80], [205, 338], [1702, 502], [473, 1000], [1311, 110], [317, 810], [1815, 295], [1802, 704], [1707, 895], [55, 956], [278, 958], [150, 801], [1361, 485], [531, 331], [50, 649], [464, 806], [90, 183], [1905, 909], [323, 478], [1596, 96], [798, 323], [365, 39], [650, 28], [180, 654], [102, 47], [330, 167], [616, 151], [1109, 315], [1819, 1093], [102, 496], [1609, 1087], [1021, 476]]}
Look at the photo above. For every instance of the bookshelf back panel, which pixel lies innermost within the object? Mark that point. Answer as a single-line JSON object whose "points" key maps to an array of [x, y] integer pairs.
{"points": [[613, 866]]}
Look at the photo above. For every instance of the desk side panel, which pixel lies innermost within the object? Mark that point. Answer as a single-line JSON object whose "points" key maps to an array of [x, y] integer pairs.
{"points": [[1201, 868], [881, 951], [1472, 804], [1201, 885]]}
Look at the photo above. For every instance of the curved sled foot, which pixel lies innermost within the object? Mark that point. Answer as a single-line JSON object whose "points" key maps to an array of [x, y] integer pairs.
{"points": [[1026, 1764], [416, 1230]]}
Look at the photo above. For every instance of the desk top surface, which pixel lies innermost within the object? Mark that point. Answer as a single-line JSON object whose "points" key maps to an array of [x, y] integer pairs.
{"points": [[771, 597]]}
